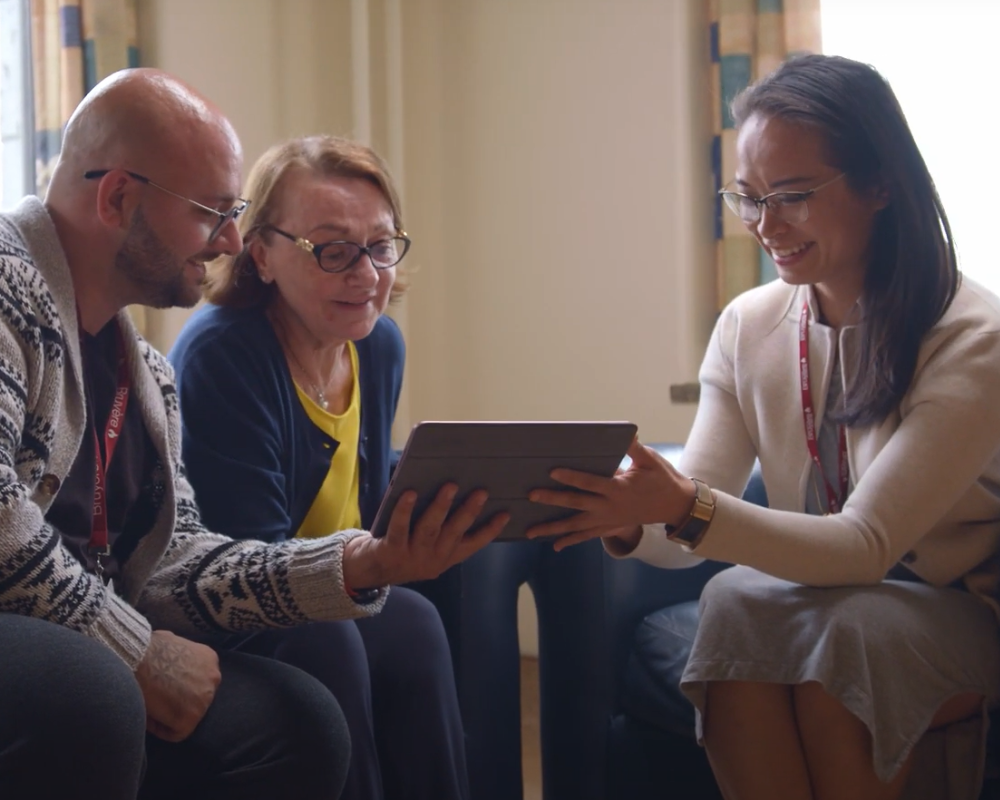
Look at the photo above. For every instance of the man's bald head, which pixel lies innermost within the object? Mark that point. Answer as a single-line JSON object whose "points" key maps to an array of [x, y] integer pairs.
{"points": [[138, 119], [163, 171]]}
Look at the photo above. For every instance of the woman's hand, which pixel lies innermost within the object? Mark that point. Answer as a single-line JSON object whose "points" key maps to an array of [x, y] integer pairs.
{"points": [[425, 548], [649, 490]]}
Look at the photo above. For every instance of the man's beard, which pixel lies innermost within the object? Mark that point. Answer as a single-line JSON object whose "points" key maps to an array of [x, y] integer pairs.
{"points": [[152, 269]]}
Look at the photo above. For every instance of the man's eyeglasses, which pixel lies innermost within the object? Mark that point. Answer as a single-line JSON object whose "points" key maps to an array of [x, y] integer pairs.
{"points": [[223, 216], [341, 256], [789, 207]]}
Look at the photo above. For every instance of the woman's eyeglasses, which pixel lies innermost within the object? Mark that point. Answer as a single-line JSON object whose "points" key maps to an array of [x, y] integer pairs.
{"points": [[341, 256], [789, 207]]}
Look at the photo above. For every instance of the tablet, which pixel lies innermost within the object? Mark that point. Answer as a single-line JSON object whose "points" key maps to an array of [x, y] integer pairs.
{"points": [[507, 459]]}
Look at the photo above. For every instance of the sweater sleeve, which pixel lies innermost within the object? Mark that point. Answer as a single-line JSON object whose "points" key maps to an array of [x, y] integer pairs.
{"points": [[719, 427], [210, 583], [948, 434]]}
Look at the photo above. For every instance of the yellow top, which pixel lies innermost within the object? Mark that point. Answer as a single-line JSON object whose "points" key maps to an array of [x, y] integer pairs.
{"points": [[335, 507]]}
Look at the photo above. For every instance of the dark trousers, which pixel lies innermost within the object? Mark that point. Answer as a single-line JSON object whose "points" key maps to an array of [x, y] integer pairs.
{"points": [[392, 675], [72, 724], [478, 602]]}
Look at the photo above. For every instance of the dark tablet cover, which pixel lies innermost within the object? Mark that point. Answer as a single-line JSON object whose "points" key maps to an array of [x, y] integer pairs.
{"points": [[508, 459]]}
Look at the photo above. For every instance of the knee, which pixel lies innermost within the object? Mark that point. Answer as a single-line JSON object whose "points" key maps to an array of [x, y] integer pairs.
{"points": [[71, 695], [417, 623], [717, 591], [322, 731], [733, 584], [408, 649], [315, 732], [418, 632], [333, 652], [67, 681], [94, 702]]}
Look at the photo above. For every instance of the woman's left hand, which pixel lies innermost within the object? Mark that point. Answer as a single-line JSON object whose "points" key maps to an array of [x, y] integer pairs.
{"points": [[649, 490]]}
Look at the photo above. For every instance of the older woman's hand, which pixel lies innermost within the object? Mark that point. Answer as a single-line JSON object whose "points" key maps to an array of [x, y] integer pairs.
{"points": [[412, 551], [649, 490]]}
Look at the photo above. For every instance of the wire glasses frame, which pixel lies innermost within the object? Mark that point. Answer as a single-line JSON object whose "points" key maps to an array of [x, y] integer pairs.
{"points": [[224, 216], [787, 206], [340, 256]]}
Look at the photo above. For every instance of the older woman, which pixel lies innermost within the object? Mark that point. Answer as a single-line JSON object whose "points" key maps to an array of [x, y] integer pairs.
{"points": [[867, 383], [288, 386]]}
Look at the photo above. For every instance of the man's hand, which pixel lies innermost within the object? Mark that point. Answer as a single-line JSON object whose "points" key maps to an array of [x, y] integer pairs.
{"points": [[426, 548], [178, 679]]}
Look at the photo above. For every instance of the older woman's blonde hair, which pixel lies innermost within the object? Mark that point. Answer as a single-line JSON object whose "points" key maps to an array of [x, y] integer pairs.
{"points": [[234, 280]]}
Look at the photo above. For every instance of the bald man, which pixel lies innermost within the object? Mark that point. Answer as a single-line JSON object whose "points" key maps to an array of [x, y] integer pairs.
{"points": [[107, 575]]}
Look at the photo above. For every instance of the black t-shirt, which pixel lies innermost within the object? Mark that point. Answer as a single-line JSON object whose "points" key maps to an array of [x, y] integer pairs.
{"points": [[130, 499]]}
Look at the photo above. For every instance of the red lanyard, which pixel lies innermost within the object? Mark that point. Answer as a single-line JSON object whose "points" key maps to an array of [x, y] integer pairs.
{"points": [[834, 500], [112, 432]]}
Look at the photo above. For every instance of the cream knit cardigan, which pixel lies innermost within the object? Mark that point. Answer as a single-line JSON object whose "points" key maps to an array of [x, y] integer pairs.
{"points": [[926, 480]]}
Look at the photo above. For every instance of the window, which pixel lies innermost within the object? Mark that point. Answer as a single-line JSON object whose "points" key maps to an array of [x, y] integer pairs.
{"points": [[940, 60], [16, 129]]}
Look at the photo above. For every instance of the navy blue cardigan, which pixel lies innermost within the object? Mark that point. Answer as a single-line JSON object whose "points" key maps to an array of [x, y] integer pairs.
{"points": [[253, 456]]}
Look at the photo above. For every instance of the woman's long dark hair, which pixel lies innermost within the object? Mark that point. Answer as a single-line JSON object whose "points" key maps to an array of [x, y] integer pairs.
{"points": [[913, 274]]}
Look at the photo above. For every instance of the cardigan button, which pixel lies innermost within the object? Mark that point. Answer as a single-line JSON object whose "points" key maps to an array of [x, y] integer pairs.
{"points": [[49, 484], [909, 557]]}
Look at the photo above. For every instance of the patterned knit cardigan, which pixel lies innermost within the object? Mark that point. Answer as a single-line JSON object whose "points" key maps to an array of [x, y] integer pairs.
{"points": [[181, 577]]}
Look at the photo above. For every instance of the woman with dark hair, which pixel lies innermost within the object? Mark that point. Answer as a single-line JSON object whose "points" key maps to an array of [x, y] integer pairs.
{"points": [[866, 381]]}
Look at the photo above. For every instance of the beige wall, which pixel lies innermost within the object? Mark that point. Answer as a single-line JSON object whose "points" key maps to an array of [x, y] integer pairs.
{"points": [[554, 158], [276, 68]]}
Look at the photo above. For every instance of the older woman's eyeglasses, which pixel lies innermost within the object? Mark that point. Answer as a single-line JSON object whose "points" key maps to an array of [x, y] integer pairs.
{"points": [[789, 207], [223, 216], [341, 256]]}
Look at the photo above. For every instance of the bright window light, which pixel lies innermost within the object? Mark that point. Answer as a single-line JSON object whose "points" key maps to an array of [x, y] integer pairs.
{"points": [[16, 179], [940, 59]]}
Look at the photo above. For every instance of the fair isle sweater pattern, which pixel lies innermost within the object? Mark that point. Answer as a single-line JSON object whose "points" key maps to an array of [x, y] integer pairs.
{"points": [[181, 576]]}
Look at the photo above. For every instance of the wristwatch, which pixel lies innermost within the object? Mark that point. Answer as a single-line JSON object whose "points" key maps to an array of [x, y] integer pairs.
{"points": [[691, 531]]}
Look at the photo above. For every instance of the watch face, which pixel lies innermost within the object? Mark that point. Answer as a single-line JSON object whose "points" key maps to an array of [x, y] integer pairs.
{"points": [[689, 533], [702, 511]]}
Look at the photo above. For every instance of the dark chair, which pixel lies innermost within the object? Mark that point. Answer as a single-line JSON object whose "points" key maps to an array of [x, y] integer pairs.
{"points": [[614, 636], [589, 606]]}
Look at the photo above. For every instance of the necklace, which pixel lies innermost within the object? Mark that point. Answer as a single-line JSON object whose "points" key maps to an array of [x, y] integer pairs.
{"points": [[319, 391], [314, 386]]}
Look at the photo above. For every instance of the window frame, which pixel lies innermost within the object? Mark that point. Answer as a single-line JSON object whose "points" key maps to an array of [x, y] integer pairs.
{"points": [[24, 144]]}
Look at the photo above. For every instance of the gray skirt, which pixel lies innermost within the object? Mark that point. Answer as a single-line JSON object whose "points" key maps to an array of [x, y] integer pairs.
{"points": [[892, 654]]}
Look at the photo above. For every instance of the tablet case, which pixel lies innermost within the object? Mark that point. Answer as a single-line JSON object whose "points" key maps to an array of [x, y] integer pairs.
{"points": [[508, 459]]}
